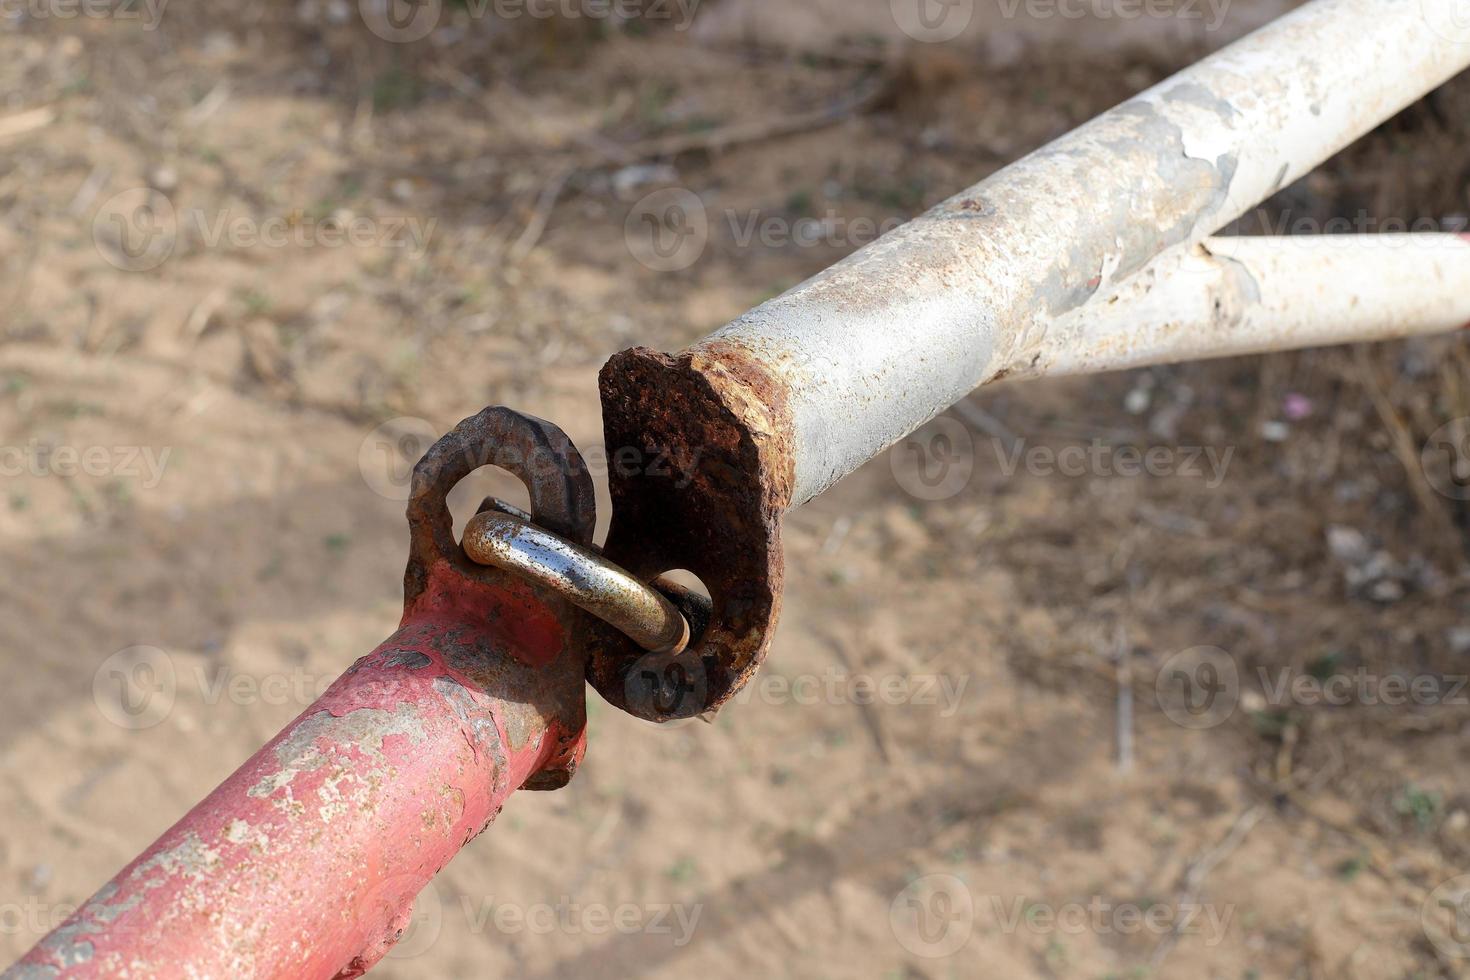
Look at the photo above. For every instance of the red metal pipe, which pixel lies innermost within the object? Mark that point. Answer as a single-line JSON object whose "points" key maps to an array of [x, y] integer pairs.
{"points": [[305, 862]]}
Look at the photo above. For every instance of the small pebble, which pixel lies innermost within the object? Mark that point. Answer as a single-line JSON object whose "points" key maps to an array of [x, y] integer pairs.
{"points": [[1347, 544], [1386, 590], [1275, 431], [164, 178]]}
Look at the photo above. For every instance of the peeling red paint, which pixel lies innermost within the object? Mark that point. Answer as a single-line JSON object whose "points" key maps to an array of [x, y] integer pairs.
{"points": [[305, 862]]}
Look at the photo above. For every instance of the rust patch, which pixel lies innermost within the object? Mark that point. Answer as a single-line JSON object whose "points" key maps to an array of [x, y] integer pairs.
{"points": [[562, 497], [519, 646], [718, 420]]}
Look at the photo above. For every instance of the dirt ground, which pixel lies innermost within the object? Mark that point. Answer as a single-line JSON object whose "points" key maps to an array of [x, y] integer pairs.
{"points": [[206, 437]]}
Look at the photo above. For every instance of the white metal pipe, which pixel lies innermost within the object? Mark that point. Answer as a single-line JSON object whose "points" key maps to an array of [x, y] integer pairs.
{"points": [[1231, 296], [873, 347]]}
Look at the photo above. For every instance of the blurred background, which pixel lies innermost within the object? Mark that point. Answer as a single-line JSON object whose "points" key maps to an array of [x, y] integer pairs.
{"points": [[1025, 716]]}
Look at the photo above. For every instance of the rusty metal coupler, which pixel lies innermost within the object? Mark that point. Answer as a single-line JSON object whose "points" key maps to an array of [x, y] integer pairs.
{"points": [[699, 482]]}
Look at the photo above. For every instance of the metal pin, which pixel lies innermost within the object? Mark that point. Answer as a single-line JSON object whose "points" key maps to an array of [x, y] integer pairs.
{"points": [[587, 580]]}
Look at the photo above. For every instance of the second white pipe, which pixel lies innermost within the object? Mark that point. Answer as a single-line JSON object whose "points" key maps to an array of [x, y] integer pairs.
{"points": [[1248, 295]]}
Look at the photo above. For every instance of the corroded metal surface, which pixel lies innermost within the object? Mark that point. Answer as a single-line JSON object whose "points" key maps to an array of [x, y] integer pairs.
{"points": [[719, 421], [562, 497], [878, 344], [789, 398], [305, 862], [579, 575]]}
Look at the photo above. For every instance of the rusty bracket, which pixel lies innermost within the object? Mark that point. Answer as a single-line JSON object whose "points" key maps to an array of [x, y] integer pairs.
{"points": [[546, 695], [700, 463]]}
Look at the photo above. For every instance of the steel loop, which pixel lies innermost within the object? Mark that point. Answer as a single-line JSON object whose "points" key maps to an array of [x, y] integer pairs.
{"points": [[504, 538]]}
